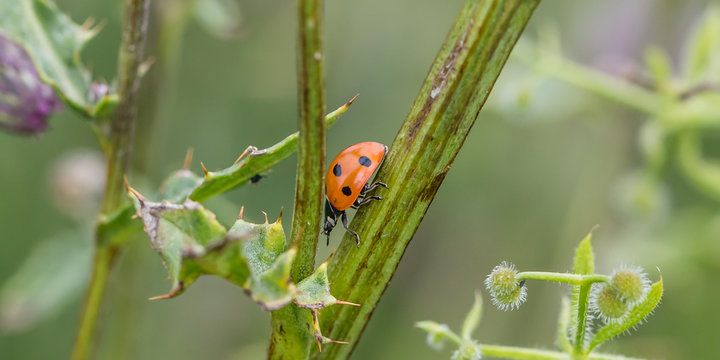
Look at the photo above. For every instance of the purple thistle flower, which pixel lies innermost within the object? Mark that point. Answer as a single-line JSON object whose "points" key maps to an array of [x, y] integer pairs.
{"points": [[26, 101]]}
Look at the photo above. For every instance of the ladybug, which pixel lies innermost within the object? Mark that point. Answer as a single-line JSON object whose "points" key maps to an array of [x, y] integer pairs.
{"points": [[346, 183]]}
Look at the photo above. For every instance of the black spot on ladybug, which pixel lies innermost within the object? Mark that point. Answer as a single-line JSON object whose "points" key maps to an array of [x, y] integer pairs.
{"points": [[346, 190], [365, 161], [337, 170]]}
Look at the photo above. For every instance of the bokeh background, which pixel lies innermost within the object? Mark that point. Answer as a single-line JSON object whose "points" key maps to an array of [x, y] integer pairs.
{"points": [[544, 163]]}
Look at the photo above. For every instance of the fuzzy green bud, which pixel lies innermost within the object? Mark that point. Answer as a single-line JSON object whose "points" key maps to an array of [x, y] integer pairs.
{"points": [[631, 284], [506, 291], [608, 304]]}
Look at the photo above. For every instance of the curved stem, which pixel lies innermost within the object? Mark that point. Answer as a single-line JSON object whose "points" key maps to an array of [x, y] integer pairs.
{"points": [[119, 156]]}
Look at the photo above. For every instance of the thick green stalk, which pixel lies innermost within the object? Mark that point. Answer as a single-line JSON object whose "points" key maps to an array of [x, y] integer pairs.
{"points": [[424, 149], [291, 325], [120, 137]]}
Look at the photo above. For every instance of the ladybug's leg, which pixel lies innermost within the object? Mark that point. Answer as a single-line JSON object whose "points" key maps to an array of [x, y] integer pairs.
{"points": [[357, 203], [330, 220], [369, 187], [344, 220]]}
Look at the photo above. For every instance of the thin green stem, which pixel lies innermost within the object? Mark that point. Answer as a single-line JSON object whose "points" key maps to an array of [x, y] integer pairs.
{"points": [[309, 193], [511, 352], [574, 279], [704, 175], [289, 338], [104, 259], [589, 79], [581, 325], [118, 161]]}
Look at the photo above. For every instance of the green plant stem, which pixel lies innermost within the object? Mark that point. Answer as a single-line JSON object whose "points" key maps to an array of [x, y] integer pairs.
{"points": [[581, 325], [574, 279], [591, 80], [422, 153], [289, 338], [309, 194], [104, 258], [704, 175], [511, 352], [120, 137]]}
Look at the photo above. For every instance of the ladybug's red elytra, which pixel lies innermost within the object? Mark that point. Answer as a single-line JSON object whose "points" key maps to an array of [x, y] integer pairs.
{"points": [[346, 183]]}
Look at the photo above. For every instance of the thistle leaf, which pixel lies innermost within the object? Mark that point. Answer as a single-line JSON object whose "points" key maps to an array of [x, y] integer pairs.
{"points": [[253, 162], [54, 42], [633, 318], [179, 233], [192, 243], [313, 292]]}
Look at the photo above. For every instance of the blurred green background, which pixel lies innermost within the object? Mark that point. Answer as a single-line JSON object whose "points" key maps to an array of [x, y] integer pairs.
{"points": [[543, 165]]}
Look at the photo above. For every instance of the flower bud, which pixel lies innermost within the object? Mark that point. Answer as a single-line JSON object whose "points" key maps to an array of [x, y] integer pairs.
{"points": [[26, 101], [606, 303], [506, 291], [631, 284]]}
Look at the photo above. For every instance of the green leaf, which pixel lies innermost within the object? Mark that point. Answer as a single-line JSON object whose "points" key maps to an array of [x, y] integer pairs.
{"points": [[272, 289], [313, 292], [221, 18], [472, 319], [53, 274], [658, 64], [256, 162], [179, 233], [437, 334], [192, 243], [584, 264], [54, 42], [633, 318], [584, 258], [702, 59], [178, 186]]}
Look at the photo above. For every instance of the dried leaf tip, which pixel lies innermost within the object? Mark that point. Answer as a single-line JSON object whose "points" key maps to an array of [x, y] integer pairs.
{"points": [[347, 104], [188, 158], [266, 217], [207, 173], [161, 297], [341, 302], [279, 219], [131, 190], [242, 211]]}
